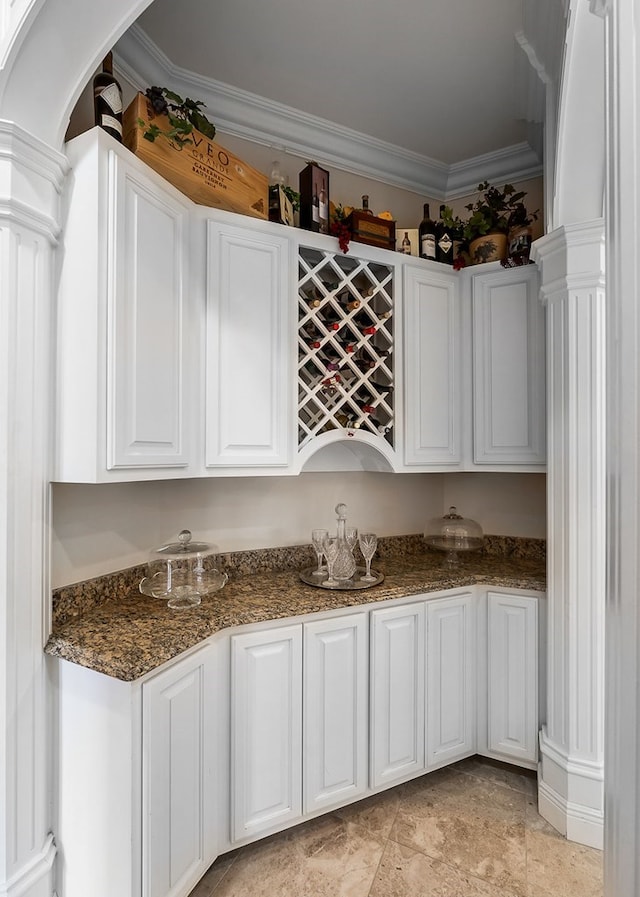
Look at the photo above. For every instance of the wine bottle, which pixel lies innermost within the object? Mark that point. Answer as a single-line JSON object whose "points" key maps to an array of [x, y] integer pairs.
{"points": [[427, 236], [406, 244], [346, 299], [444, 241], [365, 205], [323, 206], [364, 362], [312, 336], [379, 385], [315, 208], [311, 297], [107, 100]]}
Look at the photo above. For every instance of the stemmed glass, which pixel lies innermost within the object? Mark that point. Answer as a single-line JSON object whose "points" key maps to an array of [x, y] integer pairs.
{"points": [[317, 538], [351, 536], [368, 544], [331, 547]]}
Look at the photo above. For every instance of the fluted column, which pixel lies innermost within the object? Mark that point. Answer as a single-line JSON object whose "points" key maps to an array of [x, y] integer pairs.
{"points": [[570, 781], [31, 176]]}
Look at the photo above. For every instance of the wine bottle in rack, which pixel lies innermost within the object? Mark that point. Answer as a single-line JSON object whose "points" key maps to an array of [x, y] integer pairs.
{"points": [[311, 336], [427, 236], [348, 301], [310, 296], [364, 362], [330, 318], [346, 343], [107, 100], [380, 385]]}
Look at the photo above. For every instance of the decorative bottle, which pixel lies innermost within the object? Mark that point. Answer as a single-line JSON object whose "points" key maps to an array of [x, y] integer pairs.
{"points": [[444, 241], [107, 100], [406, 244], [345, 563], [427, 236]]}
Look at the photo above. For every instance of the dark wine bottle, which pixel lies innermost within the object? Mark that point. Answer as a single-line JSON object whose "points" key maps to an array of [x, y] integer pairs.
{"points": [[347, 299], [107, 100], [330, 318], [427, 236], [444, 241], [365, 205], [405, 246], [315, 208]]}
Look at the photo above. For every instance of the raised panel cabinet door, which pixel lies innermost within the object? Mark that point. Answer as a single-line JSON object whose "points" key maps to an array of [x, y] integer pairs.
{"points": [[148, 320], [508, 334], [512, 671], [451, 679], [249, 348], [266, 730], [178, 786], [432, 368], [397, 693], [336, 690]]}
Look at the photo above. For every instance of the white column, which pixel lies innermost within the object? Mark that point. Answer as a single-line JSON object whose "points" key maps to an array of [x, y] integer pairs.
{"points": [[570, 781], [31, 175], [622, 740]]}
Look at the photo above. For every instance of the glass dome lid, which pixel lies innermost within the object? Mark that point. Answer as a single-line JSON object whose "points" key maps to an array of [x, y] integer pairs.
{"points": [[176, 571], [453, 533]]}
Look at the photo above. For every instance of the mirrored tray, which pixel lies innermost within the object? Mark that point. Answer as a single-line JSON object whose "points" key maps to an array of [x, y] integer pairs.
{"points": [[349, 585]]}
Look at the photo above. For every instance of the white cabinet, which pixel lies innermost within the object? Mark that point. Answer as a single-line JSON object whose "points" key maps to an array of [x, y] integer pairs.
{"points": [[266, 730], [250, 341], [126, 352], [432, 368], [336, 689], [397, 693], [510, 675], [178, 781], [508, 350], [451, 679]]}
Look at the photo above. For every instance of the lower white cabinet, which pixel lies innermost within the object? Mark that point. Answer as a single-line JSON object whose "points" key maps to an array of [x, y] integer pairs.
{"points": [[512, 678], [261, 728], [397, 693], [266, 730], [178, 785], [335, 711], [451, 679]]}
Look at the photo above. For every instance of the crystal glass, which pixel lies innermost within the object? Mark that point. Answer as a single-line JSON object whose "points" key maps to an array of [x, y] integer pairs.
{"points": [[368, 544], [317, 540], [331, 551], [351, 536]]}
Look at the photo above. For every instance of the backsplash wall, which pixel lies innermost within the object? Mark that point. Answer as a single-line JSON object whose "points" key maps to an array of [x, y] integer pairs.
{"points": [[101, 529]]}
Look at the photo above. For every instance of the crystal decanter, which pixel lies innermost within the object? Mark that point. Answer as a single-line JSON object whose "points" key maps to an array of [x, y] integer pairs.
{"points": [[345, 564]]}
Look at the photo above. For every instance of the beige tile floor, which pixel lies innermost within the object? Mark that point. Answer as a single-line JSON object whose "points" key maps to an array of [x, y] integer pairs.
{"points": [[471, 830]]}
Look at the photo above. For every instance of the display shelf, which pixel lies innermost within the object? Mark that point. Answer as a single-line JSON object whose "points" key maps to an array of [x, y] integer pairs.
{"points": [[345, 345]]}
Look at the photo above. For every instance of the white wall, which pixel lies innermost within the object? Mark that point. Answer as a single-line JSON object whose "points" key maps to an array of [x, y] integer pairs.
{"points": [[101, 529]]}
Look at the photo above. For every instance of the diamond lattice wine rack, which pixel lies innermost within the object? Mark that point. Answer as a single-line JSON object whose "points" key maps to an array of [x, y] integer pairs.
{"points": [[345, 345]]}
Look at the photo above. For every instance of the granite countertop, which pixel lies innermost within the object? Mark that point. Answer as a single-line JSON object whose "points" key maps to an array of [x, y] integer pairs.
{"points": [[129, 637]]}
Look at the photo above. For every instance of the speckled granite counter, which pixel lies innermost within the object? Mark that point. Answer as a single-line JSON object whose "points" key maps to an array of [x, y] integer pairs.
{"points": [[108, 626]]}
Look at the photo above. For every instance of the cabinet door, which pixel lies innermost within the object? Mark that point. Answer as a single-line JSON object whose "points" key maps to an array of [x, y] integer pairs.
{"points": [[432, 369], [249, 348], [335, 740], [147, 334], [178, 796], [451, 679], [397, 693], [512, 673], [266, 730], [508, 368]]}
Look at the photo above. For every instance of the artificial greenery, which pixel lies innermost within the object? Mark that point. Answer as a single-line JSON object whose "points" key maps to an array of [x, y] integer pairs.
{"points": [[184, 117]]}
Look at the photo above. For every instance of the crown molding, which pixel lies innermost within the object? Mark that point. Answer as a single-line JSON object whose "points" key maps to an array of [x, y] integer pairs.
{"points": [[251, 117]]}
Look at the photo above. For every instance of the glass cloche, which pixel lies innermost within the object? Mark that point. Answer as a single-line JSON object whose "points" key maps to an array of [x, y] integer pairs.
{"points": [[176, 571], [453, 533]]}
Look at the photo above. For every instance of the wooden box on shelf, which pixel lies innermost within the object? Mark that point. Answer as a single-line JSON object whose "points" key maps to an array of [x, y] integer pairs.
{"points": [[373, 231], [203, 170]]}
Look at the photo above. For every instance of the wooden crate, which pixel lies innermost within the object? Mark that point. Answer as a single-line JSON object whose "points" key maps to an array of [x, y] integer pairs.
{"points": [[371, 230], [203, 170]]}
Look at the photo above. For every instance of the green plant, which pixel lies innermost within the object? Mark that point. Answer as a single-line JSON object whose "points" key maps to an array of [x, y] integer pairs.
{"points": [[496, 210], [184, 116]]}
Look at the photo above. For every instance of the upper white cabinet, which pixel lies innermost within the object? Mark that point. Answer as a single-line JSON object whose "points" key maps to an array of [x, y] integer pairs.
{"points": [[125, 347], [508, 350], [250, 340], [197, 342], [432, 367]]}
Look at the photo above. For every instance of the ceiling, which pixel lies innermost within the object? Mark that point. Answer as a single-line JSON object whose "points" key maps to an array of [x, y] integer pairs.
{"points": [[436, 83]]}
